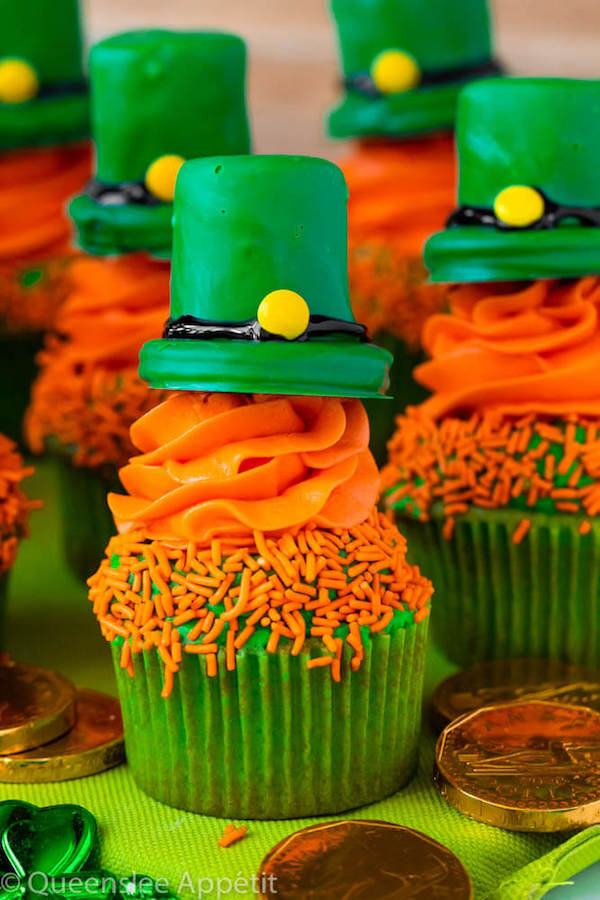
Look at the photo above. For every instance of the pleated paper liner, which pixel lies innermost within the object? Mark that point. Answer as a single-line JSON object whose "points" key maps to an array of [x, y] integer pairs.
{"points": [[273, 739], [496, 599], [87, 523]]}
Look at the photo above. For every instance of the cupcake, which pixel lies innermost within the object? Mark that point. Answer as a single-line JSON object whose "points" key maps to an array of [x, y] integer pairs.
{"points": [[145, 122], [14, 514], [44, 160], [403, 65], [495, 477], [260, 610]]}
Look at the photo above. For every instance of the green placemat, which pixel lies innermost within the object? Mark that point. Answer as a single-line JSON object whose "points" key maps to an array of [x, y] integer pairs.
{"points": [[49, 623]]}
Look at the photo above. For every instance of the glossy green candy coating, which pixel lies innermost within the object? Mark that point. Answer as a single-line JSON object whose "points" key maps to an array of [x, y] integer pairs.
{"points": [[245, 226], [439, 34], [539, 132], [157, 93], [161, 92], [46, 34]]}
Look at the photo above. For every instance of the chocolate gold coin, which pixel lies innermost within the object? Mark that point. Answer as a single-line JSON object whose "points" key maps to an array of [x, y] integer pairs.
{"points": [[94, 744], [512, 680], [531, 766], [36, 706], [362, 860]]}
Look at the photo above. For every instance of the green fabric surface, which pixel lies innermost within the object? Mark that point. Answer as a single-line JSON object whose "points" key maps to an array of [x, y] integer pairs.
{"points": [[49, 623]]}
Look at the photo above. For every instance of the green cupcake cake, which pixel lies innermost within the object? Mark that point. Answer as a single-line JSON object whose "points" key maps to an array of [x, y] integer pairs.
{"points": [[496, 477], [267, 631]]}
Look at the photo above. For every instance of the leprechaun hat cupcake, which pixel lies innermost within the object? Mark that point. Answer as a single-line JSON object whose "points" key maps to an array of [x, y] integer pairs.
{"points": [[495, 476], [88, 391], [403, 65], [259, 609], [44, 160]]}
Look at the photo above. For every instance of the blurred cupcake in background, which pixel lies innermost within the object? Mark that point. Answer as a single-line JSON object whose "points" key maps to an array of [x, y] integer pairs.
{"points": [[44, 160], [146, 122], [495, 478], [404, 63]]}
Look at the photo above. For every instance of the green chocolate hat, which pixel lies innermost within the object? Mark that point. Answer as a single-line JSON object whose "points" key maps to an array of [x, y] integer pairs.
{"points": [[404, 62], [43, 94], [529, 184], [158, 98], [259, 286]]}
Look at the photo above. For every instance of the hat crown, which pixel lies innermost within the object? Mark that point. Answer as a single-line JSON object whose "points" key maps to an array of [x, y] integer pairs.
{"points": [[539, 132], [46, 34], [162, 92], [245, 226], [439, 34]]}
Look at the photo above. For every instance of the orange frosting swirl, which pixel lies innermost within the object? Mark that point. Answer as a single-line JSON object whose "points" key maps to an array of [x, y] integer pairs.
{"points": [[400, 189], [35, 186], [115, 306], [223, 464], [516, 349]]}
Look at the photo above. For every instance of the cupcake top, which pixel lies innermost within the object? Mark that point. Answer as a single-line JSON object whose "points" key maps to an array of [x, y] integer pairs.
{"points": [[404, 62], [514, 414], [88, 391], [14, 505], [252, 519]]}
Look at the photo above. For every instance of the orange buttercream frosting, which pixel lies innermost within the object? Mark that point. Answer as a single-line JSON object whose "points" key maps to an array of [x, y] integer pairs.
{"points": [[401, 192], [88, 391], [225, 464], [400, 188], [35, 186], [515, 349]]}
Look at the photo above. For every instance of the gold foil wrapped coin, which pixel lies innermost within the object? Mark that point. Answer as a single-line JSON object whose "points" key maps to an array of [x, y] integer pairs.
{"points": [[36, 706], [94, 744], [511, 680], [530, 766], [362, 860]]}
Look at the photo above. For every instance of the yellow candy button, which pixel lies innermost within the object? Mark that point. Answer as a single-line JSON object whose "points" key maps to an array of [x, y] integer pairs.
{"points": [[161, 176], [395, 71], [519, 206], [18, 81], [285, 313]]}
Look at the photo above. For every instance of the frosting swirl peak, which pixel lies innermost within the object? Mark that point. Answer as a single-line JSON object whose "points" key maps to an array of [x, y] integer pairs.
{"points": [[216, 464], [515, 349]]}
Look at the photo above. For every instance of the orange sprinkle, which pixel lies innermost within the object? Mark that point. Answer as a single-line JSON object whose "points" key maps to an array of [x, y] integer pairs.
{"points": [[232, 834], [521, 530], [266, 596]]}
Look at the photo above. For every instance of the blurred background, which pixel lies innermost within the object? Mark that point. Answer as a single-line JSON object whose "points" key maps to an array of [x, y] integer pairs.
{"points": [[293, 74]]}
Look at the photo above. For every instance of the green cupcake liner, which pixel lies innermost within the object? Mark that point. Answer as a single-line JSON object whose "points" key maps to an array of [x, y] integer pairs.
{"points": [[403, 391], [496, 599], [273, 739], [87, 523], [17, 369]]}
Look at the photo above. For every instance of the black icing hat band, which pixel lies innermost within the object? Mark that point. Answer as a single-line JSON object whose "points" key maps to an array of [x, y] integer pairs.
{"points": [[190, 328], [363, 83], [120, 194], [550, 215]]}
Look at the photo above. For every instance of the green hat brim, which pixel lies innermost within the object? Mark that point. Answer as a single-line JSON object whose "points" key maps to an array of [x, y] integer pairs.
{"points": [[396, 115], [313, 368], [45, 122], [106, 230], [473, 253]]}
